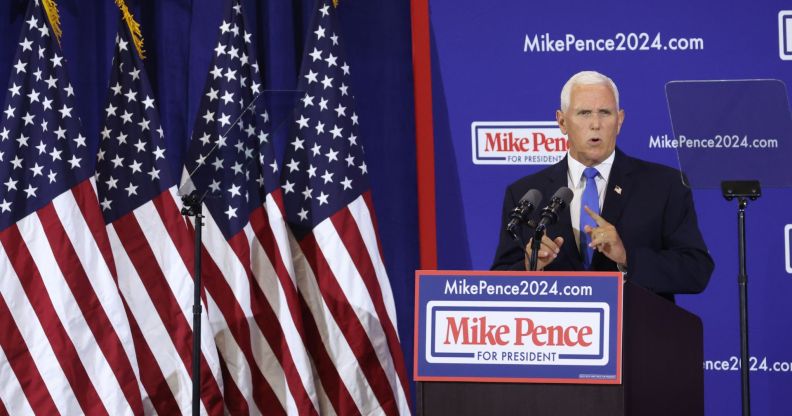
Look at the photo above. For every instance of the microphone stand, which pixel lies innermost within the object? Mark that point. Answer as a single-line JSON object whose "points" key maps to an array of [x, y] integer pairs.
{"points": [[743, 191], [536, 243], [192, 204]]}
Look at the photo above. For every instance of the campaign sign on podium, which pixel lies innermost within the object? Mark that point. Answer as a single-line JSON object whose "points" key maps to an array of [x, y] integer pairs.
{"points": [[533, 327]]}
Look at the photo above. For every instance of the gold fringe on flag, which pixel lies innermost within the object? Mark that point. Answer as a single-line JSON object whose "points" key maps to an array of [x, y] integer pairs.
{"points": [[335, 3], [134, 27], [54, 18]]}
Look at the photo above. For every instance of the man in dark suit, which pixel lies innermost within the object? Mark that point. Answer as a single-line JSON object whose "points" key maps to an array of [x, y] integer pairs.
{"points": [[647, 227]]}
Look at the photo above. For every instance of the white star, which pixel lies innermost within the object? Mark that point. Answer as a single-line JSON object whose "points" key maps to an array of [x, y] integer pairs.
{"points": [[363, 168], [234, 191], [69, 90], [331, 60], [237, 168], [14, 89], [228, 97], [347, 183], [127, 117], [331, 155], [9, 112], [118, 161], [323, 104], [131, 189], [218, 163], [56, 60], [335, 39], [352, 140], [5, 206], [216, 72], [320, 32], [51, 176], [288, 187], [22, 140], [116, 89], [111, 110], [212, 94], [80, 140], [144, 124], [311, 77], [220, 49], [354, 118], [327, 82], [322, 198], [343, 89], [336, 131], [316, 149], [319, 127], [316, 55], [121, 138], [47, 103], [159, 153], [293, 165], [204, 139], [297, 143], [17, 162], [224, 120], [55, 154], [33, 96], [65, 111], [328, 177], [43, 29], [28, 118], [224, 27], [26, 45], [20, 66], [42, 148], [131, 96], [135, 73], [230, 75], [303, 121], [215, 185], [303, 214], [30, 191], [154, 173], [112, 183], [11, 184], [106, 204], [135, 166], [33, 23], [324, 10], [209, 116], [307, 193], [233, 52], [274, 166], [231, 212], [36, 169], [307, 100], [340, 110], [148, 103], [311, 171], [4, 134]]}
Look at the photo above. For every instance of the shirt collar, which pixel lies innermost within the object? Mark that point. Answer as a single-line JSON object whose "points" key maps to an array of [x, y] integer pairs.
{"points": [[575, 169]]}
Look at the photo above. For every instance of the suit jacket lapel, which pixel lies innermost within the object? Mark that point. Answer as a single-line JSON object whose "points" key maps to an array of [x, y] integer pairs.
{"points": [[616, 195]]}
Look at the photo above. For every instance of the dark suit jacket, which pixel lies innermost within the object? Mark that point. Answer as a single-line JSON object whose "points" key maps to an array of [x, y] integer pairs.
{"points": [[653, 214]]}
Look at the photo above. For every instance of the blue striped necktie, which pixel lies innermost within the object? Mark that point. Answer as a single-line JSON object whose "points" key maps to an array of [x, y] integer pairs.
{"points": [[590, 199]]}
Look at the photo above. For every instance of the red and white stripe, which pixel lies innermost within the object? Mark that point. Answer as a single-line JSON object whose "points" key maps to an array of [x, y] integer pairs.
{"points": [[64, 306], [153, 250], [341, 274]]}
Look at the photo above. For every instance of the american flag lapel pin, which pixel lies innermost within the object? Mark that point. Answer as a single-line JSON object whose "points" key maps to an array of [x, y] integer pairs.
{"points": [[618, 189]]}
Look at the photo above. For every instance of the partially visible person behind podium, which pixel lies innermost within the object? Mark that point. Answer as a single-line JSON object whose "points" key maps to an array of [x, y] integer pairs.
{"points": [[627, 214]]}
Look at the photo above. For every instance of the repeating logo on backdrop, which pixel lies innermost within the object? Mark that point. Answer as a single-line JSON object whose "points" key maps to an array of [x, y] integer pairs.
{"points": [[785, 35], [517, 142]]}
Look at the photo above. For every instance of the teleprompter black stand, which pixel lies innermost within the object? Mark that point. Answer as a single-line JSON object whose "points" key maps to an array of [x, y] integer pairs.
{"points": [[743, 191], [192, 203], [663, 351]]}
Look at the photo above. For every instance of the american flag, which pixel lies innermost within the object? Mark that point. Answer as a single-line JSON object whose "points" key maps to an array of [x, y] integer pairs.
{"points": [[252, 298], [329, 209], [66, 346], [151, 243]]}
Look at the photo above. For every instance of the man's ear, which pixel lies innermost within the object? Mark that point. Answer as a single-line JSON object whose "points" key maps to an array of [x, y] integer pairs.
{"points": [[562, 121]]}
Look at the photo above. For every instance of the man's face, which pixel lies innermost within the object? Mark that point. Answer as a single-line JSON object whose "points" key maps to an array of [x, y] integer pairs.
{"points": [[591, 122]]}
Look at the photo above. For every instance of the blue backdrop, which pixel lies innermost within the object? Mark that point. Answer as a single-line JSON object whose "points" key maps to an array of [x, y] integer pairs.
{"points": [[180, 36], [501, 62]]}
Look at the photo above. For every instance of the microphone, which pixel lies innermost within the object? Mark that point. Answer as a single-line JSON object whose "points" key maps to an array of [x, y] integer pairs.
{"points": [[558, 202], [520, 213]]}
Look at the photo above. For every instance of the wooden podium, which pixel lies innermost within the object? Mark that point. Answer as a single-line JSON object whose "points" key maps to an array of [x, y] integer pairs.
{"points": [[662, 370]]}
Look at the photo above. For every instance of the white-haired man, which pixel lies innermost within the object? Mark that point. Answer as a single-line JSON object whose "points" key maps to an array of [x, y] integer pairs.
{"points": [[626, 214]]}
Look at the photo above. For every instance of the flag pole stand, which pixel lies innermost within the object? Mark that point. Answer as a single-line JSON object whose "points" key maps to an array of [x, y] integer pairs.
{"points": [[743, 191], [192, 204]]}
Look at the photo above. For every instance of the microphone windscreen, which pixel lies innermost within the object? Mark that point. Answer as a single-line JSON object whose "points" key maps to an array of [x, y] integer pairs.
{"points": [[533, 197], [565, 194]]}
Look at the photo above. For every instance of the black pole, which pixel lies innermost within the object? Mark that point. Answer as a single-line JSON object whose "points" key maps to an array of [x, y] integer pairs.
{"points": [[536, 243], [192, 208], [742, 282]]}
